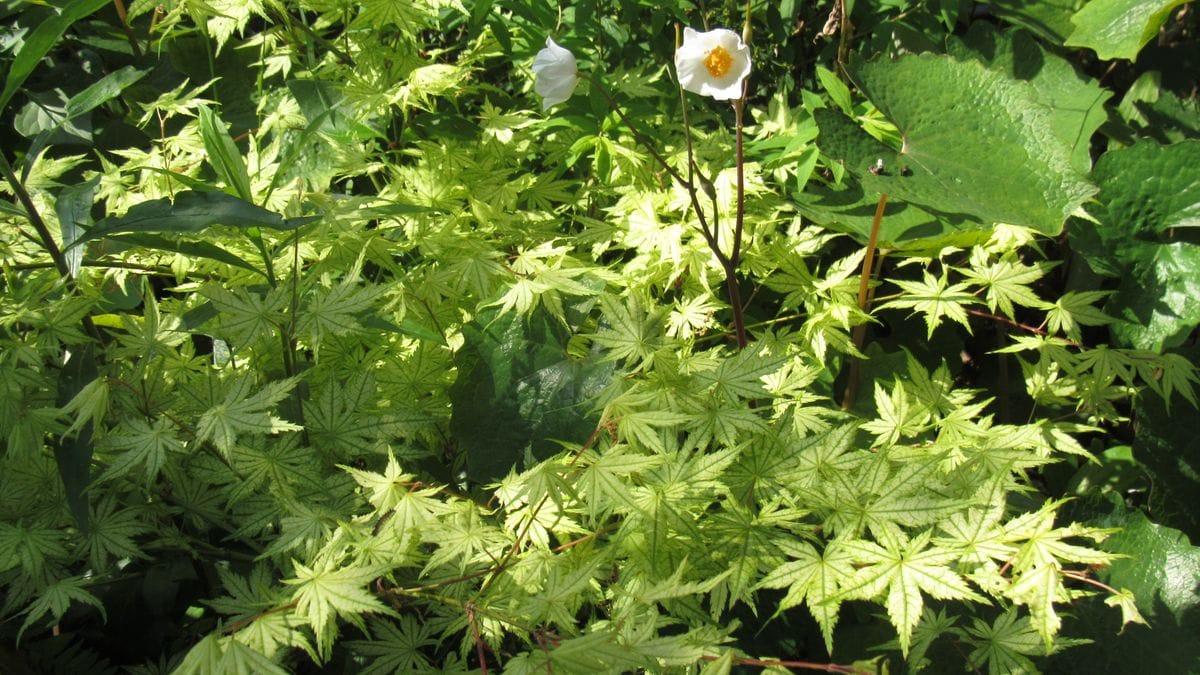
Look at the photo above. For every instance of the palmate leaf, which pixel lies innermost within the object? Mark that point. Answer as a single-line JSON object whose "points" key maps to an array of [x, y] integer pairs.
{"points": [[630, 332], [1007, 281], [814, 578], [242, 412], [144, 444], [387, 489], [57, 598], [1005, 645], [562, 593], [745, 544], [396, 646], [1037, 564], [112, 533], [342, 417], [935, 299], [243, 316], [463, 538], [216, 654], [595, 652], [334, 311], [283, 464], [740, 376], [28, 547], [899, 573], [898, 418], [1074, 309], [327, 591], [605, 481], [675, 586]]}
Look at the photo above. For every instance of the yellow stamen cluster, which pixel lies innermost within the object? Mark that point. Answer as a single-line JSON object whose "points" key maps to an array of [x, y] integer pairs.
{"points": [[718, 62]]}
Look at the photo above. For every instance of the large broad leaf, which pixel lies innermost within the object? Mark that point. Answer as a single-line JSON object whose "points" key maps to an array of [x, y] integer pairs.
{"points": [[978, 146], [1075, 102], [1167, 445], [1118, 29], [1162, 569], [1146, 234], [1158, 302], [1049, 19], [1150, 188], [518, 389], [191, 212], [853, 211]]}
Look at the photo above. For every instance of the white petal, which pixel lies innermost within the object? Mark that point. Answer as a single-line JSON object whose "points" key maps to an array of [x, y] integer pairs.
{"points": [[556, 74], [694, 75]]}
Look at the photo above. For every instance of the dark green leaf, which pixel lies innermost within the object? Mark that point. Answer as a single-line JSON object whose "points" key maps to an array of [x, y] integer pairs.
{"points": [[1149, 207], [199, 249], [74, 209], [1048, 19], [192, 212], [1158, 302], [977, 144], [518, 389], [850, 210], [1148, 188], [1166, 445], [1162, 569], [1075, 102], [73, 453]]}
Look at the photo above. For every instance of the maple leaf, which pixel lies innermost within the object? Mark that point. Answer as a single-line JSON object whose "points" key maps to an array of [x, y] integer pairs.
{"points": [[814, 578], [241, 412], [326, 591], [935, 299], [898, 573]]}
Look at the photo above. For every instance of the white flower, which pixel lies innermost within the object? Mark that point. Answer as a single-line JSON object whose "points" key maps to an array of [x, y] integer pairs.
{"points": [[556, 74], [713, 63]]}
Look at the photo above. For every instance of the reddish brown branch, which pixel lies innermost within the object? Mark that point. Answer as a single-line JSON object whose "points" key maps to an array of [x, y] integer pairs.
{"points": [[807, 665]]}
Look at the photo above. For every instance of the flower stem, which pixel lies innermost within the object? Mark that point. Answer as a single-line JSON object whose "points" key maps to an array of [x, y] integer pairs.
{"points": [[864, 285], [709, 231], [735, 255]]}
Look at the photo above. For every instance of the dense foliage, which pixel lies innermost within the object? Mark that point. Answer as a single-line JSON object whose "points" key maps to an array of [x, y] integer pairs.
{"points": [[325, 346]]}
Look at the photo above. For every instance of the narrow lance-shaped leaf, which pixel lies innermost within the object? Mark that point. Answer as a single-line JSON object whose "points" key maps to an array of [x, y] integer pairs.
{"points": [[223, 154], [192, 212]]}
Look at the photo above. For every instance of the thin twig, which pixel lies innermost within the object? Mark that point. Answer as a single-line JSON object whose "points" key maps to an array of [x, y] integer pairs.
{"points": [[808, 665], [125, 27], [1015, 324]]}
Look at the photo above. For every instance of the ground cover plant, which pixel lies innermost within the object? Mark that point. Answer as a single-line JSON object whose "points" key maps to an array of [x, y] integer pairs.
{"points": [[601, 336]]}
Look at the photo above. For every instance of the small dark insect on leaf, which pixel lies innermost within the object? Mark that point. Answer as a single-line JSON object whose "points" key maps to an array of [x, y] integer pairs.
{"points": [[877, 168]]}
